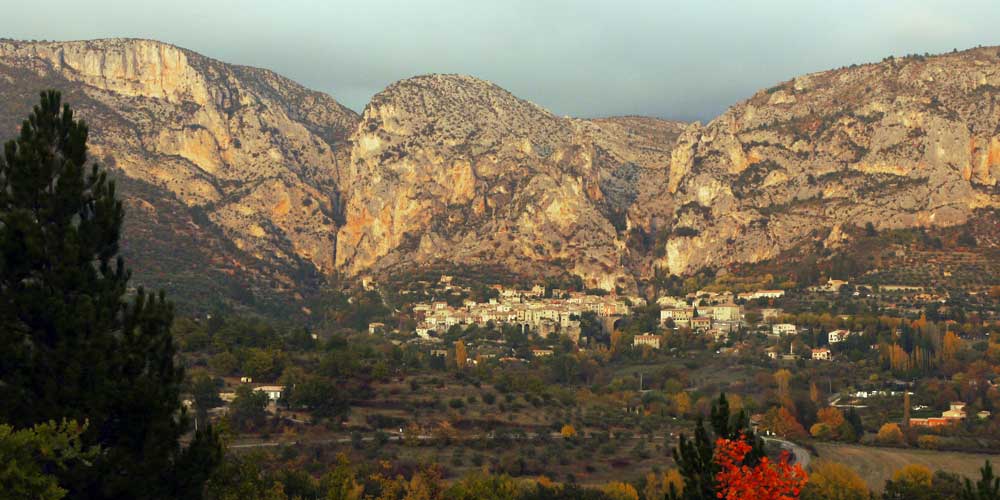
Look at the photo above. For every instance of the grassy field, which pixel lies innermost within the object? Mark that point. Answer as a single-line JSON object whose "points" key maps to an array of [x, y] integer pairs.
{"points": [[876, 465]]}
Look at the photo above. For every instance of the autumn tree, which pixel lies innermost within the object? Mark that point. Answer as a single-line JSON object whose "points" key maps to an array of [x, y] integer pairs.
{"points": [[663, 485], [461, 357], [783, 379], [912, 482], [781, 422], [695, 457], [765, 480], [891, 434], [834, 481], [618, 490]]}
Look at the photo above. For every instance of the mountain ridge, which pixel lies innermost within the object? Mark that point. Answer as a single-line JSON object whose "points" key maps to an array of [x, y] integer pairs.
{"points": [[446, 168]]}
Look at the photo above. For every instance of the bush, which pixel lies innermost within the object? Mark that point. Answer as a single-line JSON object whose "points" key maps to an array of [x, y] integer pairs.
{"points": [[456, 403]]}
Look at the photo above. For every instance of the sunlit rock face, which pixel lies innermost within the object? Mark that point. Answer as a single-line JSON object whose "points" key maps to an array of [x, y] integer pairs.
{"points": [[451, 168], [257, 153], [902, 143]]}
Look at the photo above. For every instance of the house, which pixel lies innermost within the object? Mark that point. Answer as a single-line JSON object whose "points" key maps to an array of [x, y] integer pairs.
{"points": [[375, 328], [424, 331], [831, 286], [646, 339], [246, 380], [782, 329], [769, 294], [680, 316], [701, 323], [822, 354], [772, 352], [273, 391], [837, 336], [541, 353], [956, 411], [439, 352], [725, 312]]}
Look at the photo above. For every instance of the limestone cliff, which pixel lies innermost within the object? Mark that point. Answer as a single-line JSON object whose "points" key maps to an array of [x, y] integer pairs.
{"points": [[255, 153], [284, 185], [451, 168], [904, 142]]}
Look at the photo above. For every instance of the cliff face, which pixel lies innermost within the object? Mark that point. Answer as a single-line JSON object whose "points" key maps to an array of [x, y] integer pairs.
{"points": [[282, 185], [454, 169], [905, 142], [255, 153]]}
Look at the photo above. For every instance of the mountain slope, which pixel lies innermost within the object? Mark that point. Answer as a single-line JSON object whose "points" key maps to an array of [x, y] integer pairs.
{"points": [[252, 155], [451, 168], [901, 143]]}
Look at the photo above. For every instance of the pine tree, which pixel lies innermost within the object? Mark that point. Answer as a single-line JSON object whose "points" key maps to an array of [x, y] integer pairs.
{"points": [[75, 347], [695, 457], [987, 488]]}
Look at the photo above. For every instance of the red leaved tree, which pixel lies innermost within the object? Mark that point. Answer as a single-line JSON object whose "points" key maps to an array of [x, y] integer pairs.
{"points": [[765, 481]]}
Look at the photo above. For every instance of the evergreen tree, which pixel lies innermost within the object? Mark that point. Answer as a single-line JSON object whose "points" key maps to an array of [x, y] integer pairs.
{"points": [[696, 457], [987, 488], [75, 347]]}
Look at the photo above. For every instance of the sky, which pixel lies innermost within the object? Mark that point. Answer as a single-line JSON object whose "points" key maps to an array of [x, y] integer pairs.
{"points": [[685, 60]]}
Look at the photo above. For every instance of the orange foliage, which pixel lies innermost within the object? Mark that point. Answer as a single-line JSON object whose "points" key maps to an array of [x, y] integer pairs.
{"points": [[765, 481]]}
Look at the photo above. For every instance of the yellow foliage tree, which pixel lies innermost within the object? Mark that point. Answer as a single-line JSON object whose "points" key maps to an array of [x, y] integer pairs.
{"points": [[950, 346], [890, 433], [831, 416], [682, 401], [783, 378], [568, 431], [461, 356], [833, 481], [620, 491], [914, 474], [659, 486]]}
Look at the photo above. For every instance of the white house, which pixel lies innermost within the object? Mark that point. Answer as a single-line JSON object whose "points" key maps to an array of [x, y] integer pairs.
{"points": [[273, 391], [645, 339], [837, 336], [782, 329], [822, 354]]}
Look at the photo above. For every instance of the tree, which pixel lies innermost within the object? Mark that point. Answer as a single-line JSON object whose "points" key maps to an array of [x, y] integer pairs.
{"points": [[74, 347], [834, 481], [695, 457], [987, 488], [461, 357], [783, 378], [248, 411], [891, 434], [28, 456], [912, 482], [736, 480], [780, 421], [567, 431], [618, 490]]}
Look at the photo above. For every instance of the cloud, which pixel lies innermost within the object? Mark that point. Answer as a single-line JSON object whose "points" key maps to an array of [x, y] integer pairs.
{"points": [[684, 60]]}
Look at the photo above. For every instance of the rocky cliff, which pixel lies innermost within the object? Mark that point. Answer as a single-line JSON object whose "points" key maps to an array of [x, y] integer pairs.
{"points": [[249, 152], [272, 181], [454, 169], [905, 142]]}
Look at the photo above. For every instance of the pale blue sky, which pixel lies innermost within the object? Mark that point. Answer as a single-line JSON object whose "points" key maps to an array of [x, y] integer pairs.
{"points": [[683, 60]]}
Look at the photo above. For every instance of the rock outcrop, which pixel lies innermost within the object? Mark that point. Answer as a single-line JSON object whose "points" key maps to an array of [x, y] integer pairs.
{"points": [[286, 185], [448, 168], [901, 143], [253, 152]]}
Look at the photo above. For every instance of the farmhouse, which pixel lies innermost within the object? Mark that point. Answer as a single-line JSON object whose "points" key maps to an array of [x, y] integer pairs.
{"points": [[837, 336], [646, 339], [782, 329], [822, 354]]}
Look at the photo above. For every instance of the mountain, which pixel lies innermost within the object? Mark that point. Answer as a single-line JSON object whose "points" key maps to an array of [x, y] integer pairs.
{"points": [[906, 142], [246, 185], [242, 161], [448, 168]]}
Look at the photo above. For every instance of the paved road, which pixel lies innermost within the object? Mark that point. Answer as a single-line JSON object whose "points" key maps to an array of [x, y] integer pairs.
{"points": [[801, 455]]}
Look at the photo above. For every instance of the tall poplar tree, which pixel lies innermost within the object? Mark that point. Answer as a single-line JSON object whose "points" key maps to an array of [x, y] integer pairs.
{"points": [[76, 346]]}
